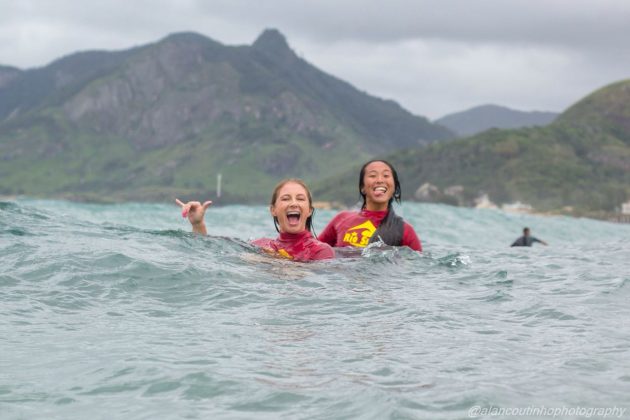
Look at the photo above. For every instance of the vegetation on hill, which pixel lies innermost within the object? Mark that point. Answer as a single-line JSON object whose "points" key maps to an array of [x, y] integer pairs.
{"points": [[582, 160], [164, 119]]}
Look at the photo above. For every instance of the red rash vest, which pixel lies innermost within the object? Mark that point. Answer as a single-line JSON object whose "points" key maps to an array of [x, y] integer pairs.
{"points": [[351, 228], [297, 246]]}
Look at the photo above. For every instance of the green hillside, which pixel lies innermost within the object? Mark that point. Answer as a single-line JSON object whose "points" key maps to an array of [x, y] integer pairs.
{"points": [[164, 119], [582, 160]]}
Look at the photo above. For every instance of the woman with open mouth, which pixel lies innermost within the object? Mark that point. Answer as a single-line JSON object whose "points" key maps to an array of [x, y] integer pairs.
{"points": [[292, 210], [379, 187]]}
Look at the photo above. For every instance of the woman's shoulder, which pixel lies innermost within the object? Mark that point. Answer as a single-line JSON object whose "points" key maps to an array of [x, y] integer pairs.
{"points": [[410, 237], [409, 229], [407, 224], [314, 241]]}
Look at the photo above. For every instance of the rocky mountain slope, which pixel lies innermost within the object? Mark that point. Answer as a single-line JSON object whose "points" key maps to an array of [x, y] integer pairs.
{"points": [[164, 119]]}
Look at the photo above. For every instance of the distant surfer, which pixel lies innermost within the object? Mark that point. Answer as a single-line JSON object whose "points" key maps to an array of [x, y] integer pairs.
{"points": [[292, 210], [527, 239], [379, 187]]}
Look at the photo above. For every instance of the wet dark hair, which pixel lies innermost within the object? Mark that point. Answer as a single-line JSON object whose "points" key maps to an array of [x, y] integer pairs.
{"points": [[391, 228], [274, 197], [397, 190]]}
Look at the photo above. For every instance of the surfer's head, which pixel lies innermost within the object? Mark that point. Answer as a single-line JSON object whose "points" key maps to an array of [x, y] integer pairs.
{"points": [[292, 206], [379, 185]]}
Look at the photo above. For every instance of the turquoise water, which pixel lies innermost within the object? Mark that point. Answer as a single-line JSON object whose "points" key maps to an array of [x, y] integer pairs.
{"points": [[118, 312]]}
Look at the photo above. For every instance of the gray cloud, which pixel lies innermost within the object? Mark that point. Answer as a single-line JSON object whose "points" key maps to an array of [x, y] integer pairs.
{"points": [[576, 23], [432, 57]]}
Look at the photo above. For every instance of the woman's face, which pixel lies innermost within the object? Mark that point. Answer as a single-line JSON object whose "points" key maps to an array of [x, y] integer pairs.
{"points": [[291, 208], [378, 185]]}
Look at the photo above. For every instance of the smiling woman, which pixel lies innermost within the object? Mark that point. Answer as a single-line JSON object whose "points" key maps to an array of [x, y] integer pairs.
{"points": [[379, 187], [292, 210]]}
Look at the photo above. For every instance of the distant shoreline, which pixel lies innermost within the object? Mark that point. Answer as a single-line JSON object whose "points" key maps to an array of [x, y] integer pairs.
{"points": [[599, 215], [322, 205]]}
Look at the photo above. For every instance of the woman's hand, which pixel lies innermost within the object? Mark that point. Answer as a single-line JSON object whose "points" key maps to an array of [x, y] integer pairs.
{"points": [[195, 211]]}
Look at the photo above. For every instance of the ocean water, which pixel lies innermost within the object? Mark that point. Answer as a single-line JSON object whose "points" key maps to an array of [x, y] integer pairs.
{"points": [[117, 311]]}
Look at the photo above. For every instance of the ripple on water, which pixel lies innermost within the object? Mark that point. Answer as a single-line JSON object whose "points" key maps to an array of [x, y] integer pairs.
{"points": [[105, 305]]}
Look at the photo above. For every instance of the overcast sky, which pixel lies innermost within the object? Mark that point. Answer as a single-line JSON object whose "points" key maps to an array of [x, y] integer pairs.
{"points": [[432, 57]]}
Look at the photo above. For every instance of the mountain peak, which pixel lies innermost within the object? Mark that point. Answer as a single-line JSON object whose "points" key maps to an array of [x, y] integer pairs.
{"points": [[187, 37], [272, 40], [483, 117], [607, 106]]}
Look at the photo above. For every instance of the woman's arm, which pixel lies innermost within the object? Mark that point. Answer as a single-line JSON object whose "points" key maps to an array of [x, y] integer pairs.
{"points": [[195, 211]]}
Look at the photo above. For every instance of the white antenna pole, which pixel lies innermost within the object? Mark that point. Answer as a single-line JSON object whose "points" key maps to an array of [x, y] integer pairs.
{"points": [[219, 186]]}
